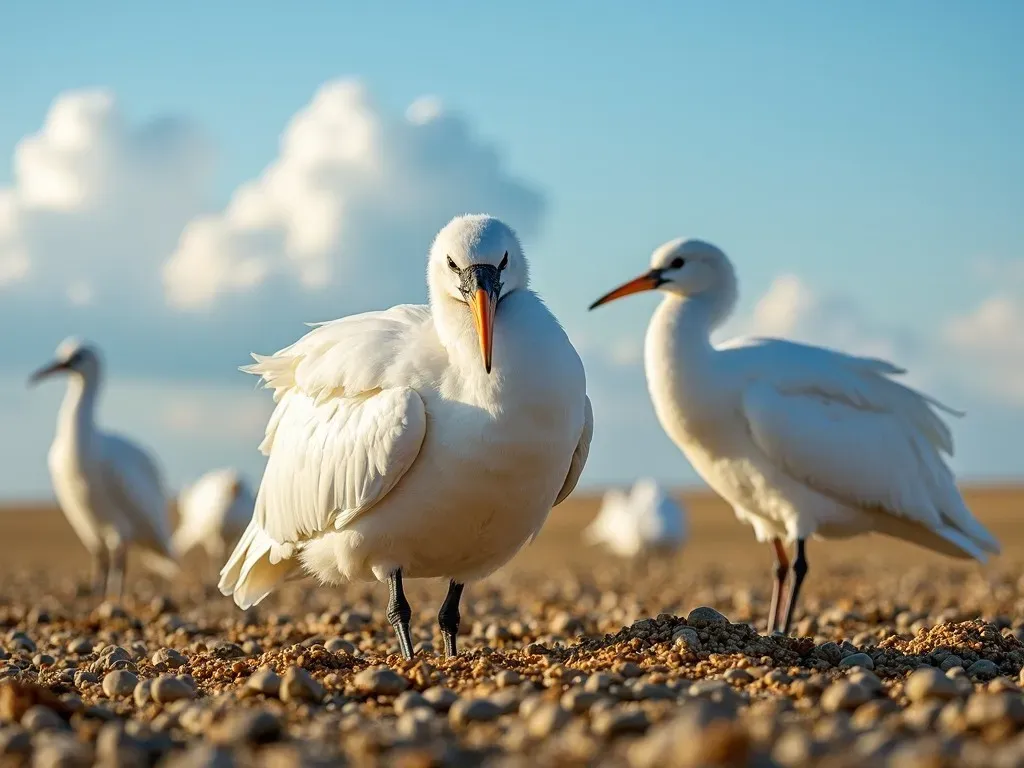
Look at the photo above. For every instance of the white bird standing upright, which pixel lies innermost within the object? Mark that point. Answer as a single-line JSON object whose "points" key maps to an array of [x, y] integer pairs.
{"points": [[646, 520], [108, 487], [800, 440], [213, 513], [419, 441]]}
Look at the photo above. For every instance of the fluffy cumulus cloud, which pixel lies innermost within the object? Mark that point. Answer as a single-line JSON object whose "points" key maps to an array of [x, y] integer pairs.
{"points": [[989, 338], [791, 308], [97, 203], [345, 211], [352, 199]]}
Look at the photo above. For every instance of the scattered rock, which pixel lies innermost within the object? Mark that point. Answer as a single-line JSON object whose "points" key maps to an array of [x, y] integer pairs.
{"points": [[704, 616], [473, 711], [929, 683], [857, 660], [380, 681], [298, 685], [619, 721], [120, 683], [167, 688]]}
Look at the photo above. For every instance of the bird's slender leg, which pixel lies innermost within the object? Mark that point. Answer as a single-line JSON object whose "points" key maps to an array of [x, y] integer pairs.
{"points": [[448, 617], [100, 564], [799, 571], [115, 573], [399, 613], [779, 574]]}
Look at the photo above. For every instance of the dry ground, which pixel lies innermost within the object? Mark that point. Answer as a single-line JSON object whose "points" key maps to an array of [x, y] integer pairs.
{"points": [[545, 673]]}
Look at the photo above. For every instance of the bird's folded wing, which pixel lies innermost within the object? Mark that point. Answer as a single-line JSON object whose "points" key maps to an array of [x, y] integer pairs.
{"points": [[331, 461], [133, 481], [852, 434], [579, 456], [347, 424]]}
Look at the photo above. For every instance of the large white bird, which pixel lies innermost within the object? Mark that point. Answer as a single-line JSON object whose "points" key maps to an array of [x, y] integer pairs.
{"points": [[419, 441], [800, 440], [213, 513], [646, 520], [109, 488]]}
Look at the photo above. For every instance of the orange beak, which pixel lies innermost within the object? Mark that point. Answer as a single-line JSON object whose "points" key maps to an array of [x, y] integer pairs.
{"points": [[646, 282], [483, 306]]}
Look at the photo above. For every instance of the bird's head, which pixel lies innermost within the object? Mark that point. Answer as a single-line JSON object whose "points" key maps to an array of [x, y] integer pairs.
{"points": [[475, 262], [74, 357], [685, 267]]}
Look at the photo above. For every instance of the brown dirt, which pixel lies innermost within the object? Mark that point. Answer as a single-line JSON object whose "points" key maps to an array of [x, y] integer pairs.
{"points": [[568, 658]]}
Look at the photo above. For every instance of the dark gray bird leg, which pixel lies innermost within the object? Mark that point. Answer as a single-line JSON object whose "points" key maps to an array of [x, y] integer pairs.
{"points": [[100, 564], [399, 613], [115, 573], [779, 574], [799, 571], [448, 617]]}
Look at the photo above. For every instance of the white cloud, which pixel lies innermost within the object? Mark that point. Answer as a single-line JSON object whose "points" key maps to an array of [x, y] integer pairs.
{"points": [[792, 309], [340, 220], [96, 200], [989, 342], [353, 198]]}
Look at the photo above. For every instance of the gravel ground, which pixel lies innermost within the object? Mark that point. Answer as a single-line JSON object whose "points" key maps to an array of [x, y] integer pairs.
{"points": [[583, 663]]}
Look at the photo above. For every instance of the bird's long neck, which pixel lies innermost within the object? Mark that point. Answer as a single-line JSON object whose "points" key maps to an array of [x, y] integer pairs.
{"points": [[76, 419], [680, 329]]}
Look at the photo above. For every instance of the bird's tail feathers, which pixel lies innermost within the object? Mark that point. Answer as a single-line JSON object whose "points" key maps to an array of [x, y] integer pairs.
{"points": [[255, 568]]}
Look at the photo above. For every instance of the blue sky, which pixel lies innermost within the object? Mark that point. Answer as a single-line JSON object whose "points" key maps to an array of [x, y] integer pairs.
{"points": [[861, 163]]}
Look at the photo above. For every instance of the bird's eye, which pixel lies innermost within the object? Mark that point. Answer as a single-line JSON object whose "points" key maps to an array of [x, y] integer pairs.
{"points": [[504, 261], [677, 262], [452, 265]]}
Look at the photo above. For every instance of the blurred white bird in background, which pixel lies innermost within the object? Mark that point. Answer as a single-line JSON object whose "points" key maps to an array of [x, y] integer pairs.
{"points": [[108, 487], [213, 513], [643, 521], [800, 440], [419, 441]]}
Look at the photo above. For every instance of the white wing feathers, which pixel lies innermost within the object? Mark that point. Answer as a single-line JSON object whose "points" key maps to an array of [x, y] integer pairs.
{"points": [[344, 432], [343, 357], [329, 462], [579, 456], [838, 424], [133, 482]]}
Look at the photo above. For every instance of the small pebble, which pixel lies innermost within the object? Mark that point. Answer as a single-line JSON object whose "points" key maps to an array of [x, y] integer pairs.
{"points": [[440, 698], [615, 722], [857, 660], [704, 616], [119, 683], [264, 680], [929, 683], [167, 688], [473, 710], [298, 685], [381, 681], [168, 658]]}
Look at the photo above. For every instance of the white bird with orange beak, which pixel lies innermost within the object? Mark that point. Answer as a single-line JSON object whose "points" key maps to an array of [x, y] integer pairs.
{"points": [[802, 441], [419, 441]]}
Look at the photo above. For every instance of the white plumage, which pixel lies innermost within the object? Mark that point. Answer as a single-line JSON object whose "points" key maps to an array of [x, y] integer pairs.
{"points": [[213, 513], [800, 440], [109, 488], [419, 441], [644, 520]]}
